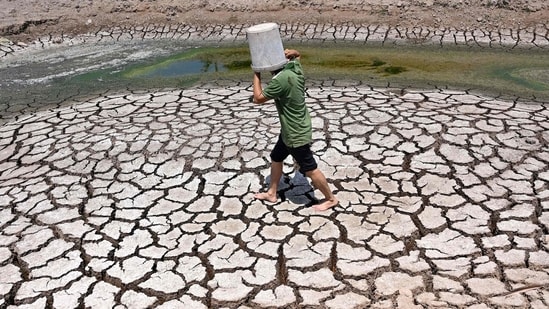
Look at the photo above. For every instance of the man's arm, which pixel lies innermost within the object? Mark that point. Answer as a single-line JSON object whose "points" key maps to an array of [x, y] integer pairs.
{"points": [[258, 90], [259, 98]]}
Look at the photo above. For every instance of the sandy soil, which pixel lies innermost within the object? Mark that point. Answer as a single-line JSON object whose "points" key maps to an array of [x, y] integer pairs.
{"points": [[28, 19]]}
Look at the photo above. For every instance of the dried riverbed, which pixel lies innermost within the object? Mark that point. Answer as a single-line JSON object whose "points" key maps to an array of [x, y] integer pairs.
{"points": [[144, 197]]}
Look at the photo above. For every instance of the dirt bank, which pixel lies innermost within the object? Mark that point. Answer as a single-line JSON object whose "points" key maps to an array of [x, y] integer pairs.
{"points": [[25, 20]]}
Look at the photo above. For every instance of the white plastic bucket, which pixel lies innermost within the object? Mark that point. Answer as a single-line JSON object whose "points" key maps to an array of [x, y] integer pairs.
{"points": [[265, 47]]}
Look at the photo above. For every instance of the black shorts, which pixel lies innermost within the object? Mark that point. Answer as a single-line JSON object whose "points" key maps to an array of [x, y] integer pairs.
{"points": [[302, 155]]}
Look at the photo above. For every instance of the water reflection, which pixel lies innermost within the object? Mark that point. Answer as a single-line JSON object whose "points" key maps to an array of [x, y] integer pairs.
{"points": [[185, 67]]}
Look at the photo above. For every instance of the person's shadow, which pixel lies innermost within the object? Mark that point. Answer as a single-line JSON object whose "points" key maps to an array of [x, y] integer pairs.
{"points": [[296, 189]]}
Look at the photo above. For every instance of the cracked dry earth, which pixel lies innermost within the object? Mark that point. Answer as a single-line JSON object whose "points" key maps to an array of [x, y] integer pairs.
{"points": [[145, 199]]}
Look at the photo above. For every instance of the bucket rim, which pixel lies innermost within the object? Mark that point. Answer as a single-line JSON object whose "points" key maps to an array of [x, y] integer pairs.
{"points": [[262, 27], [270, 67]]}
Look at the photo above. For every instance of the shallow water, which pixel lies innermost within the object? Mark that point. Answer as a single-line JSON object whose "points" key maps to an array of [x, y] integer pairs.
{"points": [[513, 73], [36, 79], [186, 67], [50, 76]]}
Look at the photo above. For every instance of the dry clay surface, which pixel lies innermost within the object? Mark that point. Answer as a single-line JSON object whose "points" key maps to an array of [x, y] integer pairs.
{"points": [[145, 200]]}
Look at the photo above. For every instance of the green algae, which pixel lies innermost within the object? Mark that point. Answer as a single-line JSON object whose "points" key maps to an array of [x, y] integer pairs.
{"points": [[518, 73], [536, 79], [394, 70], [221, 59]]}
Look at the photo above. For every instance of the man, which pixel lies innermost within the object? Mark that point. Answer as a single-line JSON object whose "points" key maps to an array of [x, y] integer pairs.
{"points": [[287, 88]]}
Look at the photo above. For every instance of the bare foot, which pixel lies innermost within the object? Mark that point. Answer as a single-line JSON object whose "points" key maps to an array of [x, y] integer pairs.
{"points": [[325, 205], [266, 196]]}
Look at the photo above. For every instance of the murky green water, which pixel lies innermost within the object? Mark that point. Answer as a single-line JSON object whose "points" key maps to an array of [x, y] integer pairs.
{"points": [[153, 65], [517, 73]]}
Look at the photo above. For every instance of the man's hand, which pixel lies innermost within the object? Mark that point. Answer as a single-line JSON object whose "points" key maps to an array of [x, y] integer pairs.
{"points": [[292, 54]]}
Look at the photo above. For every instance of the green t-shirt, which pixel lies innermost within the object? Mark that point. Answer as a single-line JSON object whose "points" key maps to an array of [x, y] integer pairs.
{"points": [[287, 88]]}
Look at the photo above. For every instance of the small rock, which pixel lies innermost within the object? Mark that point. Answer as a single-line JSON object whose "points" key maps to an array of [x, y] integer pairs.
{"points": [[5, 42]]}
